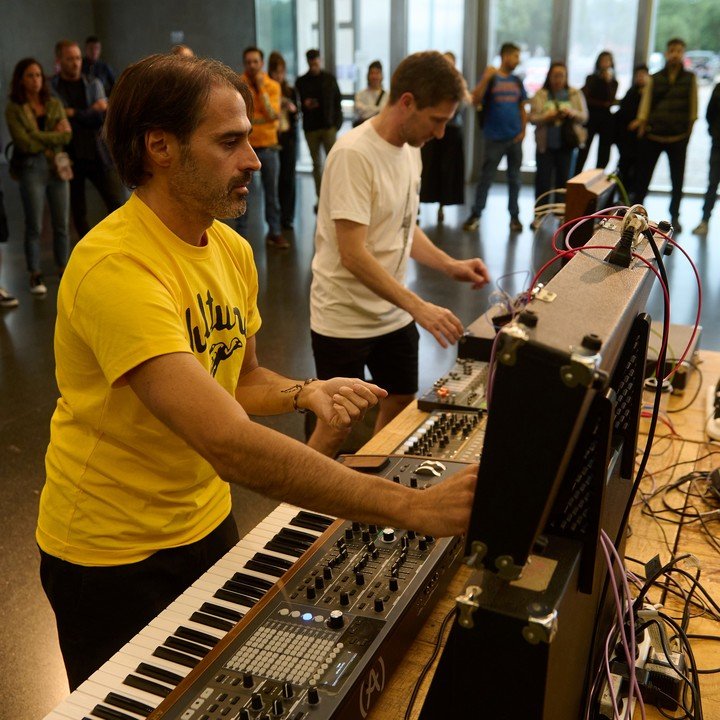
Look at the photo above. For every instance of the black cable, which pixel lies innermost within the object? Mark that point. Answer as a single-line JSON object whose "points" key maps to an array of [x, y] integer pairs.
{"points": [[429, 663], [695, 685], [697, 391]]}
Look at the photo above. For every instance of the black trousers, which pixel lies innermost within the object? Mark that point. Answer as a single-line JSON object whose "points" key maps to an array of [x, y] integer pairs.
{"points": [[286, 178], [99, 609], [107, 182], [649, 154]]}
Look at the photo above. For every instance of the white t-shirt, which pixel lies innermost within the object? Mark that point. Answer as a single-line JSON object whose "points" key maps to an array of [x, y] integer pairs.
{"points": [[371, 182]]}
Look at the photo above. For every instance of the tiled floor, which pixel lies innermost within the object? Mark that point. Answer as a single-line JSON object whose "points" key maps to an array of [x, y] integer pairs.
{"points": [[32, 679]]}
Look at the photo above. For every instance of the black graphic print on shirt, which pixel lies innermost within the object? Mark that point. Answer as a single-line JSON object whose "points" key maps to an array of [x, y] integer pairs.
{"points": [[215, 318]]}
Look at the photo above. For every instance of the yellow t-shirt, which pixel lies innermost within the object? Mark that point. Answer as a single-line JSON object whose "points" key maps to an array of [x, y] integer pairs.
{"points": [[121, 485]]}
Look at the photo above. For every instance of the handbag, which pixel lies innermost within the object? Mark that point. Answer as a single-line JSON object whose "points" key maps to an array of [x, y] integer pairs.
{"points": [[61, 166], [568, 134], [14, 159]]}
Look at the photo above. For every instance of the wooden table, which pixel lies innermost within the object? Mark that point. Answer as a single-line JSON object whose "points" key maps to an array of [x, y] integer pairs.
{"points": [[672, 457]]}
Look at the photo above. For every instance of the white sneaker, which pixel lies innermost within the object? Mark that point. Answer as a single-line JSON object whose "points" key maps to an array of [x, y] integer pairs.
{"points": [[7, 300], [37, 286]]}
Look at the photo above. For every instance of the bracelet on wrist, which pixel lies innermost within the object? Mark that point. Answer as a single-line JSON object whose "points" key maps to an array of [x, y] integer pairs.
{"points": [[297, 409]]}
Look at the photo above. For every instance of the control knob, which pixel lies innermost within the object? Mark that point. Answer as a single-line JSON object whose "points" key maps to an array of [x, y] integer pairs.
{"points": [[388, 534], [287, 690], [277, 707], [379, 605], [344, 598], [313, 696], [256, 701], [336, 620], [248, 681]]}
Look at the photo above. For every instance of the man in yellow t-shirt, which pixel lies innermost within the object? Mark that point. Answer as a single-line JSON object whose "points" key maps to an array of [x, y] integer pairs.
{"points": [[264, 140], [157, 371]]}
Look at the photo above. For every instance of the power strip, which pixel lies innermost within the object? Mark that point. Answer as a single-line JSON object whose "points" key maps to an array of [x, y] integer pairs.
{"points": [[712, 427]]}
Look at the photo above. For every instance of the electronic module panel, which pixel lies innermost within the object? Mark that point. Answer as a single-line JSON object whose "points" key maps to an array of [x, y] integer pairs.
{"points": [[462, 388], [448, 435]]}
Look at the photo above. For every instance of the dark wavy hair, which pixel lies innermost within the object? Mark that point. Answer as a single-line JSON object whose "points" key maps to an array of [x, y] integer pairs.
{"points": [[604, 53], [17, 91], [429, 77], [553, 65], [161, 92]]}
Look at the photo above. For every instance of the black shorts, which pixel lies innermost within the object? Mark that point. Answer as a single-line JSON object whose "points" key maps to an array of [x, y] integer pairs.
{"points": [[392, 358]]}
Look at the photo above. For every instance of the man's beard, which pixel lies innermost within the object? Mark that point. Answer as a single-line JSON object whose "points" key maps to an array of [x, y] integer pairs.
{"points": [[203, 191]]}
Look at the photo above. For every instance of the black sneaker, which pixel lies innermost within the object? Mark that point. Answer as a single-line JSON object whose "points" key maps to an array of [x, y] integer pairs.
{"points": [[472, 223], [7, 300]]}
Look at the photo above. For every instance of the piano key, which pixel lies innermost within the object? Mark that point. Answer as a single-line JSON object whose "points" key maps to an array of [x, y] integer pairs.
{"points": [[197, 636], [191, 648], [154, 671], [149, 686], [212, 621], [107, 713], [105, 686], [175, 656]]}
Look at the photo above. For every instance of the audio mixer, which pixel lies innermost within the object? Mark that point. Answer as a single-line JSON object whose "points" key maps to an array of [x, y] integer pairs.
{"points": [[462, 388], [448, 435], [322, 643]]}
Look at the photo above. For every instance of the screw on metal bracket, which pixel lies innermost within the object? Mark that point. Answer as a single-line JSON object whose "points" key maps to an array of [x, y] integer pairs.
{"points": [[541, 628], [467, 604]]}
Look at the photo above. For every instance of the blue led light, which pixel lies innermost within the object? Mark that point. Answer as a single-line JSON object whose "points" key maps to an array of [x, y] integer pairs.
{"points": [[307, 617]]}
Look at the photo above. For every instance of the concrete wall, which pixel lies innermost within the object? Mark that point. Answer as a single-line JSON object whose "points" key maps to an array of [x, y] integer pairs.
{"points": [[129, 30], [132, 29]]}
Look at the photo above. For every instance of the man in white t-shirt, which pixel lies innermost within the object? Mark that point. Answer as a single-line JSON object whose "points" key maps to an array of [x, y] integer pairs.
{"points": [[361, 313]]}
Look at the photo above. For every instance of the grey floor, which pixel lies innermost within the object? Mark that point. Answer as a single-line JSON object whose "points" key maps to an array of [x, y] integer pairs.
{"points": [[32, 679]]}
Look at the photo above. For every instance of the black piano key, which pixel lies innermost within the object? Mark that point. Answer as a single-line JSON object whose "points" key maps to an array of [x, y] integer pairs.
{"points": [[239, 588], [177, 657], [316, 517], [126, 703], [202, 638], [212, 621], [233, 597], [106, 713], [250, 590], [295, 542], [263, 568], [190, 648], [252, 581], [281, 547], [309, 523], [273, 561], [298, 534], [221, 611], [158, 673], [148, 686]]}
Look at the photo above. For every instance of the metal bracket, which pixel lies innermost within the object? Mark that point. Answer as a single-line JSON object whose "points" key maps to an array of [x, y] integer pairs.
{"points": [[582, 369], [467, 604], [507, 569], [541, 629], [512, 337], [478, 552]]}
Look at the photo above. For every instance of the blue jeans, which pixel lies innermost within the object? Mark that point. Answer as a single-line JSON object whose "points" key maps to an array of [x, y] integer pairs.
{"points": [[36, 183], [269, 172], [494, 151]]}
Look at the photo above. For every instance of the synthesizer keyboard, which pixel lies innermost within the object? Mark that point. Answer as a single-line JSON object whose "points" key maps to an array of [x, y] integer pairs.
{"points": [[344, 630], [461, 388], [140, 675]]}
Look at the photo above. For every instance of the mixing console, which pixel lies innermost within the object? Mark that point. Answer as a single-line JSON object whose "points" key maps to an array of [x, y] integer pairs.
{"points": [[446, 435], [323, 641], [462, 388]]}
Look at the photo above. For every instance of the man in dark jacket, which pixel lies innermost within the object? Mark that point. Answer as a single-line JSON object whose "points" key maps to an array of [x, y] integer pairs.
{"points": [[85, 104], [322, 114], [668, 109], [93, 66], [713, 117]]}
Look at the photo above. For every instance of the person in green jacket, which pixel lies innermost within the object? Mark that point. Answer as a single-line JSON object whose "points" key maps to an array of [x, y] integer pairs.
{"points": [[39, 129]]}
